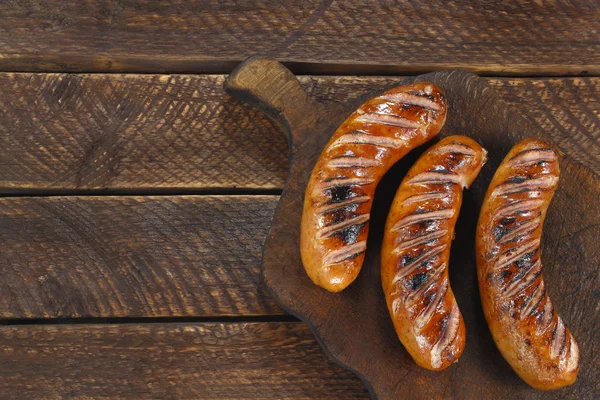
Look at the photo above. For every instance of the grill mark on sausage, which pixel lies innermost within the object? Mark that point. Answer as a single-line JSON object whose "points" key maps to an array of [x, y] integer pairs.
{"points": [[521, 230], [350, 234], [424, 197], [328, 208], [456, 148], [412, 219], [573, 359], [435, 178], [563, 347], [447, 336], [516, 179], [412, 100], [422, 259], [511, 256], [532, 301], [339, 194], [426, 314], [329, 230], [558, 337], [422, 240], [417, 280], [519, 206], [537, 184], [345, 253], [361, 138], [388, 119], [430, 280], [427, 93], [358, 132], [353, 162], [337, 182], [547, 313], [500, 231], [520, 284], [531, 157]]}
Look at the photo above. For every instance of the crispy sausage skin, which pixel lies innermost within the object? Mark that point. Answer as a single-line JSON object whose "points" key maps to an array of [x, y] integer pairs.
{"points": [[416, 249], [526, 328], [339, 195]]}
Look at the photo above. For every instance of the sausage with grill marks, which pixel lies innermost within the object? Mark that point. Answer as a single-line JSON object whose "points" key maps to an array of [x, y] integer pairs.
{"points": [[339, 195], [526, 328], [416, 251]]}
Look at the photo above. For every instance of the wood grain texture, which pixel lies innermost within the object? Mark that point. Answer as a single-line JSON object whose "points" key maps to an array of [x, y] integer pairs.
{"points": [[133, 256], [170, 361], [131, 132], [143, 132], [354, 326], [326, 36]]}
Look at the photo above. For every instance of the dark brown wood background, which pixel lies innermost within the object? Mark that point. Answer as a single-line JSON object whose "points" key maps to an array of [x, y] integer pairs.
{"points": [[133, 207]]}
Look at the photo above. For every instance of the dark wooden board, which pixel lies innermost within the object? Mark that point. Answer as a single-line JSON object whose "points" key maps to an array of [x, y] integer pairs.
{"points": [[143, 133], [170, 361], [354, 326], [316, 36], [151, 256]]}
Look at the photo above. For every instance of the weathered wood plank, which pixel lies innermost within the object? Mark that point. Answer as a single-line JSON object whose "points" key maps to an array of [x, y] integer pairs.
{"points": [[150, 132], [170, 361], [131, 132], [133, 256], [316, 36]]}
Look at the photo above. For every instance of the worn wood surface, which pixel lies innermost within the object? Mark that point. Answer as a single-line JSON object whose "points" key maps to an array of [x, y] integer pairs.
{"points": [[131, 132], [174, 256], [170, 361], [346, 37], [354, 325], [182, 132]]}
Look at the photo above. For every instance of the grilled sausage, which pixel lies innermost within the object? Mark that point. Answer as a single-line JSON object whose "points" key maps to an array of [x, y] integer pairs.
{"points": [[526, 328], [416, 250], [337, 203]]}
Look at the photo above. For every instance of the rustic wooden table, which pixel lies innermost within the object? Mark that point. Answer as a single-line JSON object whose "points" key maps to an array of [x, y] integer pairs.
{"points": [[136, 195]]}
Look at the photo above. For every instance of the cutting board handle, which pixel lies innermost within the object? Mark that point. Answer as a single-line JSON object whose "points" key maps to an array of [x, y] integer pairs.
{"points": [[264, 82]]}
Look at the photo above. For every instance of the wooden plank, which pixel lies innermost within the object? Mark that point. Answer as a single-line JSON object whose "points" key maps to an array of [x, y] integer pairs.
{"points": [[170, 361], [182, 132], [131, 132], [133, 256], [314, 36]]}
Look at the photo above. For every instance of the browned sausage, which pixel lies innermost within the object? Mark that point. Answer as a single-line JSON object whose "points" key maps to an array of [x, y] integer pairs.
{"points": [[416, 249], [338, 198], [526, 328]]}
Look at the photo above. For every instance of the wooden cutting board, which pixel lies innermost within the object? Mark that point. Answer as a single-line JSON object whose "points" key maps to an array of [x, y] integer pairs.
{"points": [[353, 326]]}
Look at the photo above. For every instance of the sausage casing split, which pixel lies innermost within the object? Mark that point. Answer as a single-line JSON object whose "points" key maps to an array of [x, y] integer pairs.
{"points": [[339, 195], [416, 249], [526, 328]]}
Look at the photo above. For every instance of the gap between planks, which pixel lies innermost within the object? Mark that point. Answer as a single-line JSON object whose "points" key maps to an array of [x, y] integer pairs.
{"points": [[315, 69]]}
